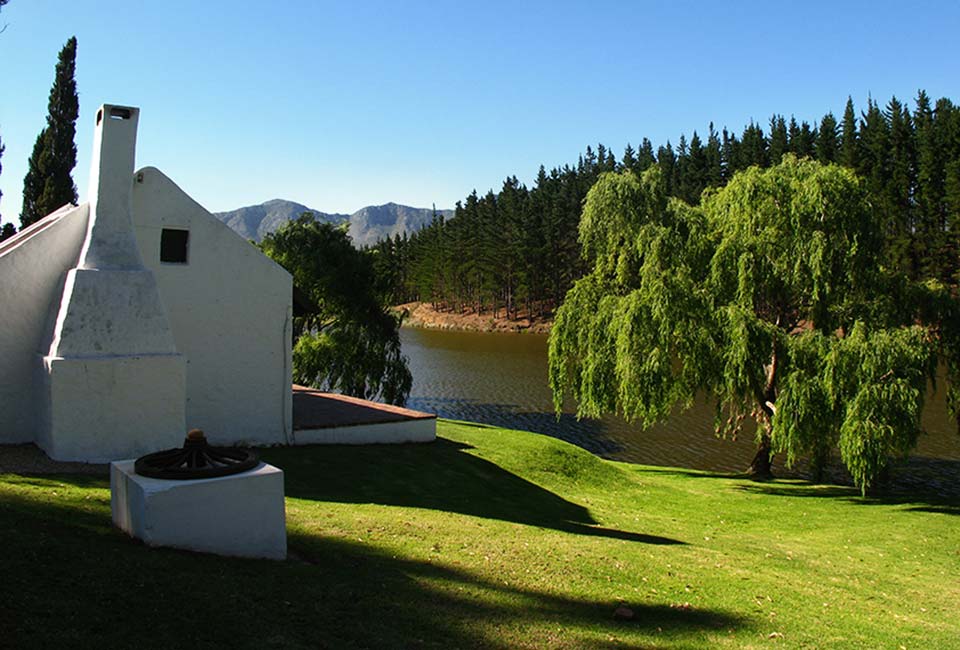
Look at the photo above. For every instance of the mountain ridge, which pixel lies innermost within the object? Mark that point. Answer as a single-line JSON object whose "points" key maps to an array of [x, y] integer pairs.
{"points": [[366, 226]]}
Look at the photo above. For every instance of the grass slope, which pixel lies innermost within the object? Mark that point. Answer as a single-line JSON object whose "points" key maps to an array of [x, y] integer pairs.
{"points": [[497, 539]]}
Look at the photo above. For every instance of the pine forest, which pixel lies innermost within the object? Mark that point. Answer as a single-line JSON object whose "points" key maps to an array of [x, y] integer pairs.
{"points": [[515, 252]]}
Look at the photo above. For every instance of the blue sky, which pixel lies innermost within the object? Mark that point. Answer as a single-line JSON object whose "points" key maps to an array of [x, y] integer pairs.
{"points": [[341, 105]]}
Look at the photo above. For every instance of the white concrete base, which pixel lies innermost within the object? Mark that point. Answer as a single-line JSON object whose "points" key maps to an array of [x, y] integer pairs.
{"points": [[423, 430], [106, 408], [240, 515]]}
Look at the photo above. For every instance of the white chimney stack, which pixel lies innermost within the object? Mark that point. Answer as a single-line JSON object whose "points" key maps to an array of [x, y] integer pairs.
{"points": [[116, 385], [110, 242]]}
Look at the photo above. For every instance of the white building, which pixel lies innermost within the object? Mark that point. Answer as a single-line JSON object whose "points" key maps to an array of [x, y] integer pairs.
{"points": [[128, 319]]}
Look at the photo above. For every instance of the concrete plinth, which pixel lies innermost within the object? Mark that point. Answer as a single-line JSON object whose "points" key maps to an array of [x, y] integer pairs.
{"points": [[102, 409], [241, 515]]}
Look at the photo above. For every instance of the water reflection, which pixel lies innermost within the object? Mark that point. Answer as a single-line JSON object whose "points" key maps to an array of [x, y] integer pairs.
{"points": [[501, 379], [589, 434]]}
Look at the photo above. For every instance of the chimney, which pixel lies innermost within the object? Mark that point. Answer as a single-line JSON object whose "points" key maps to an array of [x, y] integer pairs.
{"points": [[115, 384], [110, 242]]}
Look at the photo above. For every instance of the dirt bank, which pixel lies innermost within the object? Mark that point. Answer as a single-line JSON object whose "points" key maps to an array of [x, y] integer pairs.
{"points": [[421, 314]]}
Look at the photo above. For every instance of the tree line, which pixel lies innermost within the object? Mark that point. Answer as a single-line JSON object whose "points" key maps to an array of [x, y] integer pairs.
{"points": [[515, 251]]}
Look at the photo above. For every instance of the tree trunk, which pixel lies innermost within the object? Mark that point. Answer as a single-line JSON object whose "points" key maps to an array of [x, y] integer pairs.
{"points": [[819, 460], [762, 465]]}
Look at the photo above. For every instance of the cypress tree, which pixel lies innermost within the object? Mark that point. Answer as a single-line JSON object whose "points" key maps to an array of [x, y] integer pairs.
{"points": [[48, 184]]}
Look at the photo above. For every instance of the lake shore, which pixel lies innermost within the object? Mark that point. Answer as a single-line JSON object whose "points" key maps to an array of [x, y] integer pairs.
{"points": [[421, 314]]}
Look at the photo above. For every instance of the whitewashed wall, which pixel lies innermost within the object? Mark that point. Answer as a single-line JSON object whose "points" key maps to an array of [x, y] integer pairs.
{"points": [[32, 270], [230, 310]]}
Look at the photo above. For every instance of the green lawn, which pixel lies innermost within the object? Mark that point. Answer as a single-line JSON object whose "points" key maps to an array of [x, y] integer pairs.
{"points": [[497, 539]]}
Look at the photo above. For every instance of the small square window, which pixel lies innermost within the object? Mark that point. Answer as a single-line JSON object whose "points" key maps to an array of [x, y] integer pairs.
{"points": [[173, 246]]}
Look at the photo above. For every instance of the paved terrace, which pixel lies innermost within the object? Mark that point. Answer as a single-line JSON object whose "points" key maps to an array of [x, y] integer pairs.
{"points": [[328, 418]]}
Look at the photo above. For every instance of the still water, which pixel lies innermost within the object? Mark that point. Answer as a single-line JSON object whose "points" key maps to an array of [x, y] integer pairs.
{"points": [[501, 379]]}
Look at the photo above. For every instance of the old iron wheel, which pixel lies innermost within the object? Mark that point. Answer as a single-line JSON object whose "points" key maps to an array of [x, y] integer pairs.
{"points": [[196, 460]]}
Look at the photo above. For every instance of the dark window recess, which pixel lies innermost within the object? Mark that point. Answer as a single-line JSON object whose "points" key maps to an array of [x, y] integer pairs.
{"points": [[173, 246]]}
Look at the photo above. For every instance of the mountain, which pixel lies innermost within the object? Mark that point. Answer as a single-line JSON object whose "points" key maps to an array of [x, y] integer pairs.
{"points": [[366, 226], [255, 221], [375, 222]]}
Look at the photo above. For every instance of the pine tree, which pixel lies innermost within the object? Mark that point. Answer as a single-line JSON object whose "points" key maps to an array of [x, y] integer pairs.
{"points": [[793, 136], [681, 171], [667, 161], [48, 184], [948, 119], [900, 189], [849, 138], [629, 160], [696, 179], [874, 166], [589, 162], [730, 154], [606, 161], [931, 215], [714, 158], [534, 242], [645, 157], [511, 204], [826, 143], [805, 142], [753, 148], [779, 139]]}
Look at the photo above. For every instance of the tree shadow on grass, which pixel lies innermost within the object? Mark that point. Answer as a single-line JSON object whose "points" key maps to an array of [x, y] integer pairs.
{"points": [[438, 476], [71, 580], [926, 484], [919, 501]]}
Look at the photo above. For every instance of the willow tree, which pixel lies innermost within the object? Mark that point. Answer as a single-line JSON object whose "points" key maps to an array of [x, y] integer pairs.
{"points": [[350, 342], [768, 296]]}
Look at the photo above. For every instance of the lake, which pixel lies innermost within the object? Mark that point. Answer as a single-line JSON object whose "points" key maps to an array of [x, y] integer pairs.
{"points": [[501, 379]]}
